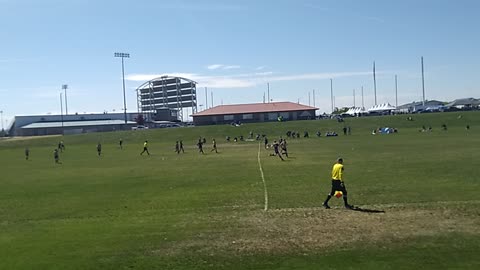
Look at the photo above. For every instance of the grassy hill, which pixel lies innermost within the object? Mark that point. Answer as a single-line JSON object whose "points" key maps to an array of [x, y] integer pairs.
{"points": [[192, 211]]}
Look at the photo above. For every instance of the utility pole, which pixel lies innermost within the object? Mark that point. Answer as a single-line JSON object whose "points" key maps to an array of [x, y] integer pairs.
{"points": [[354, 98], [308, 98], [313, 97], [374, 83], [331, 94], [423, 85], [363, 105], [396, 92], [212, 98], [206, 99], [268, 92]]}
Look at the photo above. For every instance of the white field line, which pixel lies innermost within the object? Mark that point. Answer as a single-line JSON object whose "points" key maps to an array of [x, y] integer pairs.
{"points": [[265, 192]]}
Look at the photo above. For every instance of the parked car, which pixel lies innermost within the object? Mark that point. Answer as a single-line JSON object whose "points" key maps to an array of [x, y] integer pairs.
{"points": [[139, 128]]}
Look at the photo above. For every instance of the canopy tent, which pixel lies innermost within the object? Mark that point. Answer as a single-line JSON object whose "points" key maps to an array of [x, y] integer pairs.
{"points": [[356, 111], [382, 108]]}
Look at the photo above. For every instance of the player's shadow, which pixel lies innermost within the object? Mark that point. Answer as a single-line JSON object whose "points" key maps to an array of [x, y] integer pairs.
{"points": [[367, 210]]}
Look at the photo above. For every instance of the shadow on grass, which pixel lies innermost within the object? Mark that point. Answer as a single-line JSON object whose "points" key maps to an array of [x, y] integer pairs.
{"points": [[355, 208]]}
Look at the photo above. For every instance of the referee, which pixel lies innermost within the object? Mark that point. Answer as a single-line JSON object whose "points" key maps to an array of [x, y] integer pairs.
{"points": [[337, 184]]}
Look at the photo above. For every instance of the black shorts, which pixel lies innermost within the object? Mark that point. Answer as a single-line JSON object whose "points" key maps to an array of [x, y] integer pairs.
{"points": [[338, 185]]}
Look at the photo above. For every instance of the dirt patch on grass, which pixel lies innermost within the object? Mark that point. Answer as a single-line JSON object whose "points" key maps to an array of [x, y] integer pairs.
{"points": [[304, 230]]}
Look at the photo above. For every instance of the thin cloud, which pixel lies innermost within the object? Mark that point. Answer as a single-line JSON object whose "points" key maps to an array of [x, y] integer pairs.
{"points": [[215, 66], [245, 80], [231, 67], [260, 68], [220, 66], [317, 76]]}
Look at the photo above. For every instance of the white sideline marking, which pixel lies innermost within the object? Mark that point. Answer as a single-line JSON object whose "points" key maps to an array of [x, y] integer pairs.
{"points": [[263, 179]]}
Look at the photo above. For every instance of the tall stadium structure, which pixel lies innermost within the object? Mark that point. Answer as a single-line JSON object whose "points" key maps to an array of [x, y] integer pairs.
{"points": [[166, 92]]}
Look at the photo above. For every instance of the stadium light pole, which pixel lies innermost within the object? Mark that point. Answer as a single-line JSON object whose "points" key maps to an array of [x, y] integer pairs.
{"points": [[331, 94], [61, 110], [64, 88], [374, 83], [1, 114], [123, 55], [423, 85]]}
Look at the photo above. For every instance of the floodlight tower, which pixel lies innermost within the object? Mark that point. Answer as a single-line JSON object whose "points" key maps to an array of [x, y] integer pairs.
{"points": [[1, 114], [123, 55], [64, 88]]}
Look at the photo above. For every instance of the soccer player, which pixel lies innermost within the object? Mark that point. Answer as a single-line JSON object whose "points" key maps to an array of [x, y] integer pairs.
{"points": [[181, 147], [177, 147], [337, 184], [200, 146], [120, 143], [99, 149], [283, 145], [56, 156], [276, 152], [27, 153], [61, 145], [214, 146], [145, 148], [265, 141]]}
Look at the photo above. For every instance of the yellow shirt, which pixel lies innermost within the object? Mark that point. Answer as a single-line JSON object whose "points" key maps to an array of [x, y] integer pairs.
{"points": [[145, 144], [337, 172]]}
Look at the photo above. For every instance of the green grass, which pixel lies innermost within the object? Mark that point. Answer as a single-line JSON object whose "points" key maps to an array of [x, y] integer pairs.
{"points": [[188, 211]]}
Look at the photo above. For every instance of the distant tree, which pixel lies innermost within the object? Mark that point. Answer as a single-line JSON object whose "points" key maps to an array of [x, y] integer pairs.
{"points": [[140, 120], [340, 110]]}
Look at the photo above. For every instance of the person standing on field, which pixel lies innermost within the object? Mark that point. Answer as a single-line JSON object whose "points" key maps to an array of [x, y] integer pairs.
{"points": [[214, 146], [27, 153], [200, 146], [337, 184], [177, 147], [120, 143], [181, 147], [276, 152], [56, 156], [145, 148], [99, 149]]}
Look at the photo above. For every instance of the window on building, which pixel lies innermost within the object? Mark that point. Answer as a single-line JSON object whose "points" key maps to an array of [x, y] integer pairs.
{"points": [[247, 116], [228, 117], [285, 115], [272, 116]]}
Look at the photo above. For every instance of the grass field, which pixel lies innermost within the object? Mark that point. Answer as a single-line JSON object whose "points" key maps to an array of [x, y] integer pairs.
{"points": [[191, 211]]}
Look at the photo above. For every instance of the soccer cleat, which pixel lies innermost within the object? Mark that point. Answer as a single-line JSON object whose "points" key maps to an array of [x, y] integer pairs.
{"points": [[348, 206], [325, 206]]}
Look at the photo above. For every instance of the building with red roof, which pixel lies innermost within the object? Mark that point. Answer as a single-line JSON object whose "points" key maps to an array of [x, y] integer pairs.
{"points": [[255, 112]]}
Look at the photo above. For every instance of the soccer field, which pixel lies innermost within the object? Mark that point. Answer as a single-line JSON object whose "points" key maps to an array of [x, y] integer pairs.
{"points": [[192, 211]]}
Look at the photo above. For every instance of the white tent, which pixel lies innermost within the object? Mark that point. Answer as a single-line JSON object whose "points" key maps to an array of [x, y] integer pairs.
{"points": [[382, 108], [356, 111]]}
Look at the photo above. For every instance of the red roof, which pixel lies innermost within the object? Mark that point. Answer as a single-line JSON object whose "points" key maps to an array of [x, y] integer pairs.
{"points": [[255, 108]]}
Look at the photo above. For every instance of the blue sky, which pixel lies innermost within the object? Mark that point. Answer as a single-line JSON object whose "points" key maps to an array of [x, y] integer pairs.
{"points": [[234, 48]]}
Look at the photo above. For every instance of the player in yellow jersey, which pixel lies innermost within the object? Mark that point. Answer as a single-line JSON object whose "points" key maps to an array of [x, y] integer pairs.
{"points": [[337, 184], [145, 148]]}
